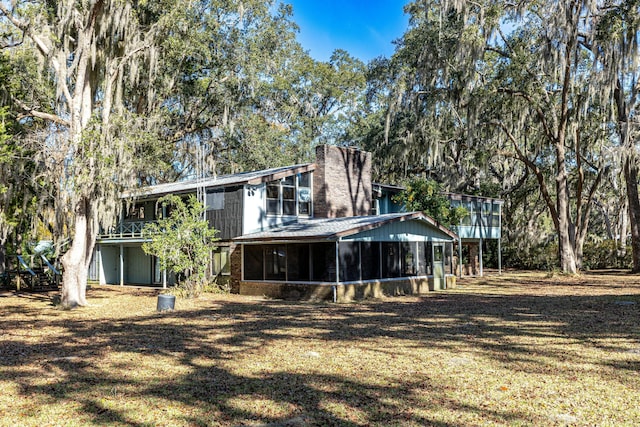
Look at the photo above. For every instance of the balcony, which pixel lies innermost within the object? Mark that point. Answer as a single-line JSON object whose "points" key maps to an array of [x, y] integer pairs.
{"points": [[126, 230]]}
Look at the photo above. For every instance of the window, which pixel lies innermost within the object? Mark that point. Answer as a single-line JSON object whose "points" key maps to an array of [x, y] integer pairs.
{"points": [[408, 258], [495, 215], [438, 254], [304, 193], [323, 262], [298, 262], [135, 212], [486, 214], [426, 256], [466, 220], [275, 262], [370, 256], [253, 262], [215, 200], [349, 253], [273, 198], [448, 257], [220, 261], [290, 196], [390, 260]]}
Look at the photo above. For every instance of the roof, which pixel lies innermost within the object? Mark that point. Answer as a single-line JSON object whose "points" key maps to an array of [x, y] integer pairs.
{"points": [[389, 187], [461, 196], [450, 196], [252, 178], [334, 228]]}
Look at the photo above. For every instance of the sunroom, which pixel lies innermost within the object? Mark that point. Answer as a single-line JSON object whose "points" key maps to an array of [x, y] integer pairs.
{"points": [[342, 259]]}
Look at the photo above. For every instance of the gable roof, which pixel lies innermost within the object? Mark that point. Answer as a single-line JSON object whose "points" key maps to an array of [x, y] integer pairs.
{"points": [[252, 178], [335, 228]]}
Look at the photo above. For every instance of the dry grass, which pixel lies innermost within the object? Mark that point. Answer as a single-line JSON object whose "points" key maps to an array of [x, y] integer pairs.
{"points": [[521, 349]]}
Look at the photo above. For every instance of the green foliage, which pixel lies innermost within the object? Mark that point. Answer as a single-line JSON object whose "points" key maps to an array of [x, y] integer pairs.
{"points": [[606, 254], [426, 195], [182, 242], [543, 256]]}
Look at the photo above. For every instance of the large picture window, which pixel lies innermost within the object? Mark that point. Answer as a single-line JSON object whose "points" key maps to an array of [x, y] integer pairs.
{"points": [[290, 196]]}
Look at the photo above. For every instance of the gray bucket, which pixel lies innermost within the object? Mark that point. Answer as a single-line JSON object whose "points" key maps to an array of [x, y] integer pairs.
{"points": [[166, 302]]}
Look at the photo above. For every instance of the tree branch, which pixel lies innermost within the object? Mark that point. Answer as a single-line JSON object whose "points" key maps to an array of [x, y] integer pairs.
{"points": [[39, 114]]}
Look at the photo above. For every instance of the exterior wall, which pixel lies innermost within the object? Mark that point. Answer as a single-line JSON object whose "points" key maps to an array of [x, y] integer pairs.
{"points": [[109, 264], [406, 231], [235, 259], [254, 217], [344, 292], [386, 204], [138, 268], [228, 220], [483, 219], [342, 182]]}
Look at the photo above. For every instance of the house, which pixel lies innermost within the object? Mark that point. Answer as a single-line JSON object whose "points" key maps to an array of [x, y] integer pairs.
{"points": [[482, 222], [304, 231]]}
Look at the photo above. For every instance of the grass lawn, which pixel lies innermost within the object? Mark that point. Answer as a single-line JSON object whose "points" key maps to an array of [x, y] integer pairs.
{"points": [[522, 349]]}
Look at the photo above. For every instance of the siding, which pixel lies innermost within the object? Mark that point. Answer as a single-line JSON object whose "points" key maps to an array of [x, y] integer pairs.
{"points": [[404, 231], [228, 221]]}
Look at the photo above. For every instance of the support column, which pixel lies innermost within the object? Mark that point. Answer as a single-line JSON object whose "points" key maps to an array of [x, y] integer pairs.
{"points": [[499, 257], [480, 255], [98, 264], [121, 265], [460, 257], [335, 287]]}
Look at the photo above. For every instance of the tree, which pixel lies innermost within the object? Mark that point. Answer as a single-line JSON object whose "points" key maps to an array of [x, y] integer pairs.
{"points": [[615, 45], [19, 183], [426, 195], [101, 57], [479, 83], [182, 241]]}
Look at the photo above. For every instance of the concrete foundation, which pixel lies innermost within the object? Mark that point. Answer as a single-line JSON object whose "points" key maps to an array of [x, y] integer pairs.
{"points": [[344, 292]]}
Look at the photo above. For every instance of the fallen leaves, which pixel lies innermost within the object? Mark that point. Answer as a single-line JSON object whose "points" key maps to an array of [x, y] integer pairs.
{"points": [[521, 349]]}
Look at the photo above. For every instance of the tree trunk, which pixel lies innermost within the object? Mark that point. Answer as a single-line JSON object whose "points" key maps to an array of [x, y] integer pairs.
{"points": [[631, 178], [3, 257], [566, 250], [74, 281]]}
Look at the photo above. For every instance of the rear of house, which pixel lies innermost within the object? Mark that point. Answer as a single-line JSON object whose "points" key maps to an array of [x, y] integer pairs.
{"points": [[304, 231]]}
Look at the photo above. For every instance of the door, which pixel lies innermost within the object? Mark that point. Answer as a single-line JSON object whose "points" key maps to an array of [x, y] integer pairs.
{"points": [[438, 266]]}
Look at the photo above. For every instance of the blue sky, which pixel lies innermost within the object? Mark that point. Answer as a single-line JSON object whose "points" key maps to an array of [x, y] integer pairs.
{"points": [[364, 28]]}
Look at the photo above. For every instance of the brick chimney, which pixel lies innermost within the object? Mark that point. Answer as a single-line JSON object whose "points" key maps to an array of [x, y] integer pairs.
{"points": [[341, 182]]}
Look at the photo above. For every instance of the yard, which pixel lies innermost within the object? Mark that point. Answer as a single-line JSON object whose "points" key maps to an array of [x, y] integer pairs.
{"points": [[519, 349]]}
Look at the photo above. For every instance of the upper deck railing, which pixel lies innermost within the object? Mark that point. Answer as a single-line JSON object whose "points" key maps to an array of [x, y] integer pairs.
{"points": [[124, 230]]}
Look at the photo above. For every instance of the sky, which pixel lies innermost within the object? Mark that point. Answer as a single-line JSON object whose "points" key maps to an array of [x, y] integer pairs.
{"points": [[364, 28]]}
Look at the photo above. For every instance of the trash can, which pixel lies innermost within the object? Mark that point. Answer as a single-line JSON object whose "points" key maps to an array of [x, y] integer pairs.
{"points": [[166, 302]]}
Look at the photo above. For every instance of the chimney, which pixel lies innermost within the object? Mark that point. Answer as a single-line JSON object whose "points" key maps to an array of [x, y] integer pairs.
{"points": [[341, 182]]}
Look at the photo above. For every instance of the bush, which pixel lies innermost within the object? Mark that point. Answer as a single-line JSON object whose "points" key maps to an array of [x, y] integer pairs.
{"points": [[606, 254]]}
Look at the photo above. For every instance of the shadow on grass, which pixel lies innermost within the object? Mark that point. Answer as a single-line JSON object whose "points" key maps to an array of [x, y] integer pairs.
{"points": [[70, 366]]}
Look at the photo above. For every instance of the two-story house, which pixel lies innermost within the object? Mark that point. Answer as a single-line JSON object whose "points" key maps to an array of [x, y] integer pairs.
{"points": [[303, 231]]}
